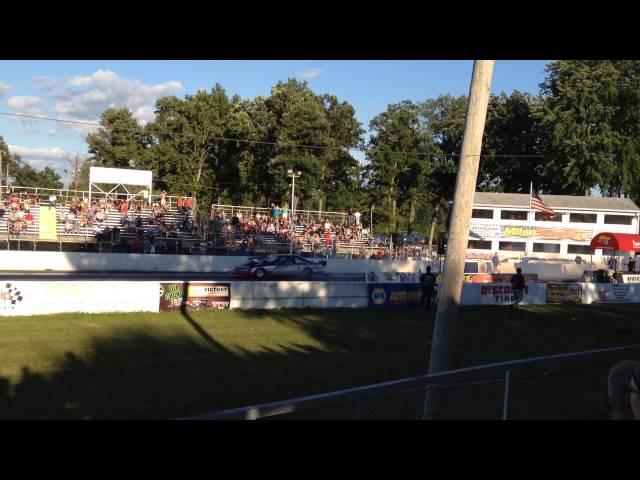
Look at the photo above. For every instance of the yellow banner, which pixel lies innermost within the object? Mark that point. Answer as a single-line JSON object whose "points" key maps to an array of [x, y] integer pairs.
{"points": [[539, 233], [48, 223]]}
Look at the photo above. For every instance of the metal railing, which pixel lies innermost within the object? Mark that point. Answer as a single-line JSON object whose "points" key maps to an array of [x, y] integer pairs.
{"points": [[67, 193], [308, 215], [421, 382]]}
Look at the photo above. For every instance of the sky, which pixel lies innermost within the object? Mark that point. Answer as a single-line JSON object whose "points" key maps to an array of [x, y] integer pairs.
{"points": [[82, 90]]}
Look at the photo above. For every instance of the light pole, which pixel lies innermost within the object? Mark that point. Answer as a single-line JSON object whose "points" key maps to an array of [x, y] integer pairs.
{"points": [[293, 176], [371, 221]]}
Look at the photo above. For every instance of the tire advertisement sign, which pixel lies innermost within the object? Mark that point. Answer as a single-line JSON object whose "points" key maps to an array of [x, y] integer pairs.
{"points": [[395, 294], [500, 294], [199, 296], [564, 293]]}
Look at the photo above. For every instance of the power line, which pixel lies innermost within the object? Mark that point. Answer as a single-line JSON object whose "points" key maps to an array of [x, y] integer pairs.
{"points": [[280, 144]]}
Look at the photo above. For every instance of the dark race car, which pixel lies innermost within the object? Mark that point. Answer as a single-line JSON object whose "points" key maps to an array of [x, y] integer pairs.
{"points": [[279, 265]]}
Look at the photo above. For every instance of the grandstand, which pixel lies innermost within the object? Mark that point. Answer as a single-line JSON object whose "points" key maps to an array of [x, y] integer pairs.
{"points": [[20, 234], [240, 227]]}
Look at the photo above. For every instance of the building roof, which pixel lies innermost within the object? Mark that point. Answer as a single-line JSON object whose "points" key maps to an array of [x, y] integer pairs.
{"points": [[521, 200]]}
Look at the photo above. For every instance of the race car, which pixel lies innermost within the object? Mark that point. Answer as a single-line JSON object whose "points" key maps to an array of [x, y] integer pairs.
{"points": [[279, 265]]}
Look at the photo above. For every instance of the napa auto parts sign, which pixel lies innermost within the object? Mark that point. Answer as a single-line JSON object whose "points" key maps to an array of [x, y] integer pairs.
{"points": [[394, 294]]}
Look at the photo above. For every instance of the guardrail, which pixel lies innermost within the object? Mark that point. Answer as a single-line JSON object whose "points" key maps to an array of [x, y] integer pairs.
{"points": [[422, 382]]}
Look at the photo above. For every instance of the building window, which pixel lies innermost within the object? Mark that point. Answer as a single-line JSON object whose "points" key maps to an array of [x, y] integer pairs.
{"points": [[583, 217], [513, 215], [541, 217], [513, 246], [583, 249], [481, 213], [480, 244], [546, 247], [618, 219]]}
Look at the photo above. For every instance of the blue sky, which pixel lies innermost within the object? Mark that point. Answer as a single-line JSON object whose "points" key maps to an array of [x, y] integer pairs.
{"points": [[81, 90]]}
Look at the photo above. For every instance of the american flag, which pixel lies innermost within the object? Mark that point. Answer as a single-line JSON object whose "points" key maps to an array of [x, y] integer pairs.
{"points": [[536, 203]]}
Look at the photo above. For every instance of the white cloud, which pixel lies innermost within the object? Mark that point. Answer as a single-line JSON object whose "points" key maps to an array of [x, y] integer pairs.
{"points": [[52, 132], [39, 158], [28, 106], [4, 89], [84, 98], [48, 84], [25, 103], [308, 73]]}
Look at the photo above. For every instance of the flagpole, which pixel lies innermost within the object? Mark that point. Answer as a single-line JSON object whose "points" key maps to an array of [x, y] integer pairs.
{"points": [[529, 217]]}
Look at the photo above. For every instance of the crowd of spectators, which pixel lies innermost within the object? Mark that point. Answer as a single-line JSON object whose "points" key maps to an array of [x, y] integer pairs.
{"points": [[77, 215], [16, 211], [246, 229]]}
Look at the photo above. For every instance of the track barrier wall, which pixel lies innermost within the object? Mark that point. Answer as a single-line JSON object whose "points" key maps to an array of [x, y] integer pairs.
{"points": [[18, 297]]}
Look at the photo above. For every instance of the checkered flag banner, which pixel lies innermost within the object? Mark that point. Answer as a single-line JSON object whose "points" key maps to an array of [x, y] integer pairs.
{"points": [[11, 294]]}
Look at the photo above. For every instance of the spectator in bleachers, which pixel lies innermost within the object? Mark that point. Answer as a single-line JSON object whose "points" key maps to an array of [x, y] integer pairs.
{"points": [[162, 228], [100, 216], [298, 246], [188, 204], [163, 200]]}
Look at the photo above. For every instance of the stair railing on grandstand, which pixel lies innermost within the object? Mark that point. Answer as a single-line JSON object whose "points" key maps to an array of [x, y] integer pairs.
{"points": [[420, 383]]}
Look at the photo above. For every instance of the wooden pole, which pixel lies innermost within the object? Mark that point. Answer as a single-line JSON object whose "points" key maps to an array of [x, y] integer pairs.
{"points": [[451, 286]]}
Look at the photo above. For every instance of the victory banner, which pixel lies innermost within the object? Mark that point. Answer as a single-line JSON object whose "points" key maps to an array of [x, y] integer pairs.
{"points": [[199, 296]]}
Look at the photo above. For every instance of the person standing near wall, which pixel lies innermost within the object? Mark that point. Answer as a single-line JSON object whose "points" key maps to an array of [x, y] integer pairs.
{"points": [[517, 287], [428, 281]]}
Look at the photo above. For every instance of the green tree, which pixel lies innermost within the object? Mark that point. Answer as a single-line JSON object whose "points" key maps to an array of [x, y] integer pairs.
{"points": [[580, 105], [119, 142], [514, 128], [401, 159], [186, 147]]}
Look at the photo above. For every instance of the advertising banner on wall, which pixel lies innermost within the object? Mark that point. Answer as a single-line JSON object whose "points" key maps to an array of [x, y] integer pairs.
{"points": [[43, 297], [545, 233], [199, 296], [613, 293], [564, 293], [484, 231], [395, 294], [500, 294], [393, 277], [631, 278]]}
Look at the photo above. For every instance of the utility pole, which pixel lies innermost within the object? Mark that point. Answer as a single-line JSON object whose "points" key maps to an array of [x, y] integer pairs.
{"points": [[451, 286], [293, 176], [0, 175]]}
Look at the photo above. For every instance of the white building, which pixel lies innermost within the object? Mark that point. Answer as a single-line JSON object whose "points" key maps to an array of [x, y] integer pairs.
{"points": [[503, 223]]}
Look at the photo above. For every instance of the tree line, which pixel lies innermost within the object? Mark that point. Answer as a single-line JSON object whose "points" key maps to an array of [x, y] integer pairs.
{"points": [[578, 134]]}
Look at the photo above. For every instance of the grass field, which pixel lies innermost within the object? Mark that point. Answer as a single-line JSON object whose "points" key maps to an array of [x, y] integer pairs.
{"points": [[171, 365]]}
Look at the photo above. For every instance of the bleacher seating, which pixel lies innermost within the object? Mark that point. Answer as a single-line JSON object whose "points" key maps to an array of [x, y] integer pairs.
{"points": [[87, 234]]}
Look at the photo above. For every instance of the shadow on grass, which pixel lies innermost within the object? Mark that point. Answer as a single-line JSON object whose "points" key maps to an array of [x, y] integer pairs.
{"points": [[134, 373]]}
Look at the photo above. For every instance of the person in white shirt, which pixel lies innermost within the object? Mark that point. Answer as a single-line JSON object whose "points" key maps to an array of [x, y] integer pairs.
{"points": [[357, 217]]}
